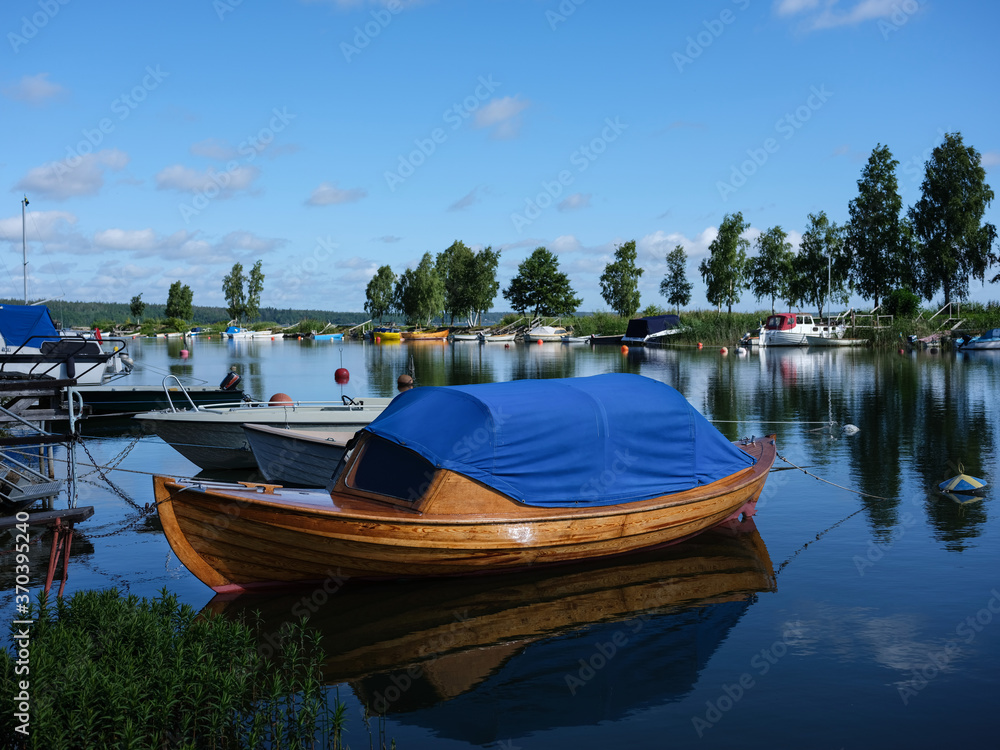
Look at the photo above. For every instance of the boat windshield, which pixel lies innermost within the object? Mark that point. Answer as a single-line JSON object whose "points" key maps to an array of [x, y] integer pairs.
{"points": [[387, 468]]}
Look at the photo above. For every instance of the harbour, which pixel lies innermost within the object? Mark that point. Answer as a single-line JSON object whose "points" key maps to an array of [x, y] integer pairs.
{"points": [[856, 583]]}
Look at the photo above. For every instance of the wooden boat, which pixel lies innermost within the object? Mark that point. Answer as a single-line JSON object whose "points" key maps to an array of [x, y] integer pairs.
{"points": [[305, 458], [212, 437], [834, 341], [462, 498], [440, 335], [673, 598]]}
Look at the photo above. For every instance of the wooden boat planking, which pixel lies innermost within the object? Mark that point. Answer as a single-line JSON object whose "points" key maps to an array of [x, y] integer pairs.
{"points": [[265, 536]]}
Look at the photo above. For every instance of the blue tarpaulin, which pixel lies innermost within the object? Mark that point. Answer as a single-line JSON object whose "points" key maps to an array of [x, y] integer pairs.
{"points": [[598, 440], [26, 325]]}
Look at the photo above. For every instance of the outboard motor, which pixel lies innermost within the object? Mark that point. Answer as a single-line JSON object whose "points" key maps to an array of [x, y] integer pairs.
{"points": [[232, 380]]}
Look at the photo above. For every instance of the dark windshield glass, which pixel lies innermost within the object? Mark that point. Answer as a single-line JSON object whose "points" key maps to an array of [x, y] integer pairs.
{"points": [[386, 468]]}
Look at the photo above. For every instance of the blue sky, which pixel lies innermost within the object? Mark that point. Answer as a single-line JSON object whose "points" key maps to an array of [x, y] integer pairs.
{"points": [[163, 141]]}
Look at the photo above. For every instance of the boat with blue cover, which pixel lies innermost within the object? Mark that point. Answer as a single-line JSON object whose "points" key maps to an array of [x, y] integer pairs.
{"points": [[485, 478], [987, 340]]}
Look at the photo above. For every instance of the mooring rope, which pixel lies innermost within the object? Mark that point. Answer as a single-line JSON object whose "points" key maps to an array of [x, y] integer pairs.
{"points": [[827, 481], [819, 536]]}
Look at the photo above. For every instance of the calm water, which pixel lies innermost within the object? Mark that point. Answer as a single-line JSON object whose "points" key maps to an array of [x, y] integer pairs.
{"points": [[841, 621]]}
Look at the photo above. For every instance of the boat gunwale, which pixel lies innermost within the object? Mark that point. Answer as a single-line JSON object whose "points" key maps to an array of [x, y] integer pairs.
{"points": [[414, 516]]}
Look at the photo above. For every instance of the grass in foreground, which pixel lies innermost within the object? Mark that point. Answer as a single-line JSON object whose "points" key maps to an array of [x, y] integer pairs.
{"points": [[122, 672]]}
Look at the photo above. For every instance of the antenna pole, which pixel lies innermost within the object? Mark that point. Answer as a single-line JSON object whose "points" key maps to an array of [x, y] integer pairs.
{"points": [[24, 249]]}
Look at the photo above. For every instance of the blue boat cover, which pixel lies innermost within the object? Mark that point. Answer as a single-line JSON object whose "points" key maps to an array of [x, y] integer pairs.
{"points": [[599, 440], [29, 325]]}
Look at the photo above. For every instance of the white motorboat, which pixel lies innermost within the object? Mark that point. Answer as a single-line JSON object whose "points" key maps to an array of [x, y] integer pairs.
{"points": [[546, 333], [791, 329], [212, 437], [988, 340], [32, 347]]}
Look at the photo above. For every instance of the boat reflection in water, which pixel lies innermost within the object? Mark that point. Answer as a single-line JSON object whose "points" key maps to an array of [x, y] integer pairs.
{"points": [[493, 657]]}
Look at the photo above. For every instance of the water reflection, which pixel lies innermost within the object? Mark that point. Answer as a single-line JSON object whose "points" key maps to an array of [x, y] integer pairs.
{"points": [[485, 658]]}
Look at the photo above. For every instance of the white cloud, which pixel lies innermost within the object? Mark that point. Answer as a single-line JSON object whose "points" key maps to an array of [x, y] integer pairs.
{"points": [[73, 177], [125, 239], [214, 148], [212, 182], [248, 241], [34, 90], [991, 159], [833, 15], [574, 202], [503, 115], [328, 194], [45, 226]]}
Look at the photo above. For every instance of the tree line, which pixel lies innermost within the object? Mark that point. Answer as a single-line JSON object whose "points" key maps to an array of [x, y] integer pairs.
{"points": [[938, 245]]}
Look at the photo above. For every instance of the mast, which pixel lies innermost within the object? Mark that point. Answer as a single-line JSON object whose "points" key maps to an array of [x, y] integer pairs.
{"points": [[24, 249]]}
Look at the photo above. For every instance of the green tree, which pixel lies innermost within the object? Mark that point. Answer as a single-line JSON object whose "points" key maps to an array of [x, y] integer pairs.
{"points": [[255, 285], [876, 236], [420, 292], [540, 287], [455, 267], [675, 286], [822, 266], [232, 289], [725, 268], [379, 297], [137, 307], [769, 273], [953, 243], [483, 284], [620, 281], [179, 300]]}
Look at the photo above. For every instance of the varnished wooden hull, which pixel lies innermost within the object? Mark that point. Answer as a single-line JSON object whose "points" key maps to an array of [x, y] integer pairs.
{"points": [[425, 335], [235, 538]]}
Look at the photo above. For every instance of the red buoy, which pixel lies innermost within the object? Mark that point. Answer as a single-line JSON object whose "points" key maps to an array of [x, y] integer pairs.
{"points": [[723, 351], [624, 349], [184, 353], [699, 345], [341, 375], [279, 398], [539, 341]]}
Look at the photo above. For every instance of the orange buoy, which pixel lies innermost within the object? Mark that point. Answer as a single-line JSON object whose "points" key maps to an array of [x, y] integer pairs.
{"points": [[699, 345], [624, 349], [279, 398], [539, 341]]}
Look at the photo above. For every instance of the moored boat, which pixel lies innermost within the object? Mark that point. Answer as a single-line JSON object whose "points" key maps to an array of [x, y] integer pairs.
{"points": [[833, 341], [463, 498], [988, 340], [304, 458], [546, 333], [212, 436], [440, 335], [791, 329], [642, 331], [32, 347]]}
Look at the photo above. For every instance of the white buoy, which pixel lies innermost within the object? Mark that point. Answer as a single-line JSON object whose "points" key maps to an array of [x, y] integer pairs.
{"points": [[850, 429]]}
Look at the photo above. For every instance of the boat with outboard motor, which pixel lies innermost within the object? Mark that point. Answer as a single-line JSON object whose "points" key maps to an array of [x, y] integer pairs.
{"points": [[485, 478]]}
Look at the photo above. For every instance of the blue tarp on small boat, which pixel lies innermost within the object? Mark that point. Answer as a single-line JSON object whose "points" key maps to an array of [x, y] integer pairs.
{"points": [[599, 440], [26, 325]]}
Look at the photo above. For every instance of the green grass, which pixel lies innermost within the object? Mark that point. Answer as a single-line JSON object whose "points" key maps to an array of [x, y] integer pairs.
{"points": [[115, 671]]}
